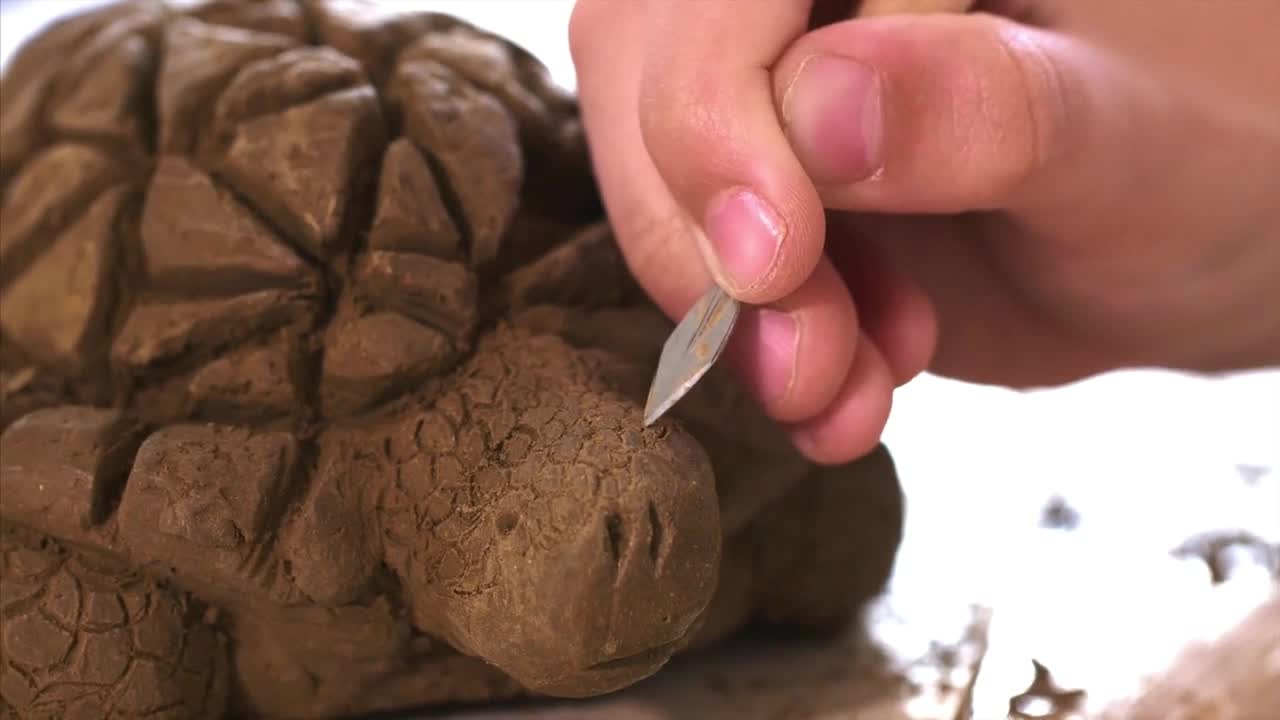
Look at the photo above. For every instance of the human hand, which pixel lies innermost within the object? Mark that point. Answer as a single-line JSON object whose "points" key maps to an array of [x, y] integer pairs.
{"points": [[1022, 203]]}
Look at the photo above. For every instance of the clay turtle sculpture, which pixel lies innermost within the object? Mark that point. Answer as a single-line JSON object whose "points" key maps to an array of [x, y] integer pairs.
{"points": [[321, 385]]}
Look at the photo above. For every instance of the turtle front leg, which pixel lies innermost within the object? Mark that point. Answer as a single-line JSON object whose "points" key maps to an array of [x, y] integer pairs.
{"points": [[84, 636], [815, 557], [829, 546]]}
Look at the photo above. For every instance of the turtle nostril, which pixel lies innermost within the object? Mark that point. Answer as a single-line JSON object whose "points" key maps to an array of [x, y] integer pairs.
{"points": [[658, 653], [655, 537], [613, 536], [506, 522]]}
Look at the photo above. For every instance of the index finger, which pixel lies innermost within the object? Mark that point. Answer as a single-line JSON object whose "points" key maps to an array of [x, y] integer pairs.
{"points": [[653, 232], [712, 130]]}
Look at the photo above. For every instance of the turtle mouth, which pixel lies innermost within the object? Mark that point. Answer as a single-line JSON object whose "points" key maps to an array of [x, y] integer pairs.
{"points": [[655, 654]]}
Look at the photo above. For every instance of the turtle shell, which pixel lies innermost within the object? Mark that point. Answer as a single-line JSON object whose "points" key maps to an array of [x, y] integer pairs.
{"points": [[260, 209]]}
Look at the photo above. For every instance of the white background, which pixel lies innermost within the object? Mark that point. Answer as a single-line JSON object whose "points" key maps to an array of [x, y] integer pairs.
{"points": [[1147, 458]]}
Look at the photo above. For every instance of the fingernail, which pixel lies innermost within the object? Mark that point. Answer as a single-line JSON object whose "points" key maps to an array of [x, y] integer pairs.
{"points": [[746, 235], [834, 119], [804, 440], [779, 336]]}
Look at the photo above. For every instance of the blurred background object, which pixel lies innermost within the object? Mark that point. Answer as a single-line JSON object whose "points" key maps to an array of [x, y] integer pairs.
{"points": [[1106, 526]]}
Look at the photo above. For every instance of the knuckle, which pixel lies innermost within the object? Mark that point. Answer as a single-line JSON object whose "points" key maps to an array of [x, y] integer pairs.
{"points": [[1006, 112], [1026, 111]]}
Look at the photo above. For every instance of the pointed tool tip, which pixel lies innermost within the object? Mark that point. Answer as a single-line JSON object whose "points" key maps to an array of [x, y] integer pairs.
{"points": [[693, 347], [653, 412]]}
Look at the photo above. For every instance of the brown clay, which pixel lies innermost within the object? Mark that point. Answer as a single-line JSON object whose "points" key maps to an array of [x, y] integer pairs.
{"points": [[321, 384]]}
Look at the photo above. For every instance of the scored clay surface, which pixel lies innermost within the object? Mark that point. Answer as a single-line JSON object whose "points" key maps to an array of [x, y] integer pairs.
{"points": [[321, 385]]}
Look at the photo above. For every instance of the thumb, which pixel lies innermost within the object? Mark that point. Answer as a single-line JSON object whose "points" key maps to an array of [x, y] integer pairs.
{"points": [[953, 113]]}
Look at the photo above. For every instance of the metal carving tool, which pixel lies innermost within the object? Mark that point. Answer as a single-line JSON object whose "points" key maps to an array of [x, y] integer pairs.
{"points": [[694, 346], [696, 343]]}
